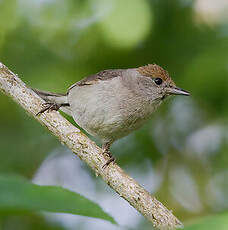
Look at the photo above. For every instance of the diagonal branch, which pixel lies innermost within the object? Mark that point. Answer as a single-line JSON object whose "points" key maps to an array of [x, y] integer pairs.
{"points": [[89, 152]]}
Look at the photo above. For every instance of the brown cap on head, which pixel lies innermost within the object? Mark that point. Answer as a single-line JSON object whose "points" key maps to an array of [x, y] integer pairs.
{"points": [[153, 70]]}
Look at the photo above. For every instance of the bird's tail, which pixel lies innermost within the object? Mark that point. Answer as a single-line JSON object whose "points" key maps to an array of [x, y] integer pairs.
{"points": [[56, 98], [51, 97]]}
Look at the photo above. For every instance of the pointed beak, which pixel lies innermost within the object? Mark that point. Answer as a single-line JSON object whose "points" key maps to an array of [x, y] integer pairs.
{"points": [[177, 91]]}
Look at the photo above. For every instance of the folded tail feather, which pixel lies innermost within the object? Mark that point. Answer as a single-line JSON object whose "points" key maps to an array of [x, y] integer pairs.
{"points": [[56, 98]]}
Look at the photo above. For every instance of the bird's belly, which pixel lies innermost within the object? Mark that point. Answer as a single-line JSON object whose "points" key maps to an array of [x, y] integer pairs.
{"points": [[107, 125]]}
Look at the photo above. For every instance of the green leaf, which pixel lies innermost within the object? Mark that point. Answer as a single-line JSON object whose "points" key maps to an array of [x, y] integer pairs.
{"points": [[18, 195], [218, 222]]}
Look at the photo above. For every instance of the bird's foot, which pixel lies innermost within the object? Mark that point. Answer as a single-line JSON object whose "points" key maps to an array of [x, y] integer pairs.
{"points": [[111, 159], [49, 107], [106, 152]]}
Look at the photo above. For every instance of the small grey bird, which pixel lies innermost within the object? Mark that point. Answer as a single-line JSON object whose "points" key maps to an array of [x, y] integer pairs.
{"points": [[113, 103]]}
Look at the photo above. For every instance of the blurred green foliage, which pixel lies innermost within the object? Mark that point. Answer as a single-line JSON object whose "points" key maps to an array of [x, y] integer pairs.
{"points": [[210, 223], [52, 44], [19, 196]]}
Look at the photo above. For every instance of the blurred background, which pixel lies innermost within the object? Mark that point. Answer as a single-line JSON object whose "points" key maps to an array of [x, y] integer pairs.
{"points": [[180, 156]]}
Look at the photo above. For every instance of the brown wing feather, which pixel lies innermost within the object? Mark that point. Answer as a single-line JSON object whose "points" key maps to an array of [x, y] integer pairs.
{"points": [[102, 75]]}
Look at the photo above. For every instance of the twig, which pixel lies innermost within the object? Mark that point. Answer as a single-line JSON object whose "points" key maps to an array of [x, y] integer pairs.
{"points": [[89, 152]]}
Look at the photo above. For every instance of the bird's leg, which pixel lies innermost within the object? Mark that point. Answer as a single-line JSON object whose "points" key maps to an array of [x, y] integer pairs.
{"points": [[50, 106], [106, 151]]}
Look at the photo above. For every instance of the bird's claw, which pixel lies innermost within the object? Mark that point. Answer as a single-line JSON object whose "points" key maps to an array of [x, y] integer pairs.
{"points": [[49, 107], [112, 159]]}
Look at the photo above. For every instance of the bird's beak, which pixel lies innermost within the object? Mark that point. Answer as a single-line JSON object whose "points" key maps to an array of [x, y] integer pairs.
{"points": [[177, 91]]}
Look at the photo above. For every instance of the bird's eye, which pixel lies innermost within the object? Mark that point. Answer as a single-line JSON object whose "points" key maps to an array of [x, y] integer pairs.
{"points": [[158, 81]]}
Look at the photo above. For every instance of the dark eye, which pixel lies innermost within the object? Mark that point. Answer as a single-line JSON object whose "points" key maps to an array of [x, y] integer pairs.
{"points": [[158, 80]]}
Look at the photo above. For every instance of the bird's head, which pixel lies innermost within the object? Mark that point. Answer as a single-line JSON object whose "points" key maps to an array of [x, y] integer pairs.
{"points": [[159, 82]]}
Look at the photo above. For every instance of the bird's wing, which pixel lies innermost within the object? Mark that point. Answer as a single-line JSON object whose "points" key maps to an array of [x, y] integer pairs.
{"points": [[101, 76]]}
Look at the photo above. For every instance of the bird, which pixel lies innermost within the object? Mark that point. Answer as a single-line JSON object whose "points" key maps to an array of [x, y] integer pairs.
{"points": [[113, 103]]}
